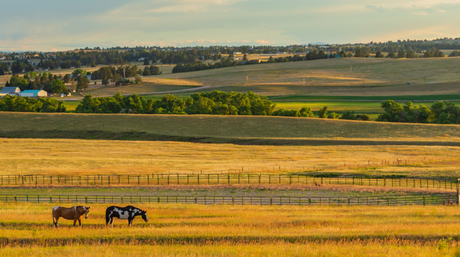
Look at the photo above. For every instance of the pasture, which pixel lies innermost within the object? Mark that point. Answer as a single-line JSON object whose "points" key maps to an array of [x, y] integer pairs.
{"points": [[87, 157], [197, 230], [212, 127]]}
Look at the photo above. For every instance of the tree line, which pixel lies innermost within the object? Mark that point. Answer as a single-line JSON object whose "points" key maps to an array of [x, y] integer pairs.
{"points": [[29, 104], [216, 102], [440, 112], [229, 62]]}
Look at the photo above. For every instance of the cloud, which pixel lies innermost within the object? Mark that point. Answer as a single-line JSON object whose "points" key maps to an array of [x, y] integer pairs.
{"points": [[263, 42], [220, 22], [411, 4]]}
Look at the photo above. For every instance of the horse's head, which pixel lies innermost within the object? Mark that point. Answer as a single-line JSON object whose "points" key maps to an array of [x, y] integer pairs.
{"points": [[83, 210], [144, 216]]}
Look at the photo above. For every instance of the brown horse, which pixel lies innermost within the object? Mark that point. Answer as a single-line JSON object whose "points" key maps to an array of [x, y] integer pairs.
{"points": [[72, 213]]}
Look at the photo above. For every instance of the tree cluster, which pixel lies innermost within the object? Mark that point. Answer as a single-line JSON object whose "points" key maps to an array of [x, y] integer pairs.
{"points": [[395, 112], [38, 81], [27, 104], [440, 112], [304, 112], [350, 115], [454, 53], [433, 52], [216, 102]]}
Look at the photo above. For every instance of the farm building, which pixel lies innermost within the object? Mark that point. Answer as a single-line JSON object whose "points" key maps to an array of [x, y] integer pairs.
{"points": [[10, 90], [34, 93]]}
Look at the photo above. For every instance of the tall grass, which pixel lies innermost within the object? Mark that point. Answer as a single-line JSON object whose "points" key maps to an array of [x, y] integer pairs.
{"points": [[80, 157], [178, 230]]}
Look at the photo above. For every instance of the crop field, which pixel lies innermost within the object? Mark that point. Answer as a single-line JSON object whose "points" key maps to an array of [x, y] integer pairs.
{"points": [[197, 230]]}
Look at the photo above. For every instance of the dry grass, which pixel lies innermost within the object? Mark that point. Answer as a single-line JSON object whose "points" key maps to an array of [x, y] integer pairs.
{"points": [[334, 72], [193, 230], [41, 156]]}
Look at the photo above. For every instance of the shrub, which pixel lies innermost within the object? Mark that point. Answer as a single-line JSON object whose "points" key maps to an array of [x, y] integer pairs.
{"points": [[333, 115], [363, 117], [323, 112], [350, 115]]}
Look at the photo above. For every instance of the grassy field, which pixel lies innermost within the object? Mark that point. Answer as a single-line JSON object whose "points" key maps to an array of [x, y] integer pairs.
{"points": [[299, 190], [194, 230], [48, 156], [229, 127], [348, 76]]}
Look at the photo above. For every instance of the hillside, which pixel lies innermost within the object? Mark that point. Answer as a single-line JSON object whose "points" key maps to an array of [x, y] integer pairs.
{"points": [[346, 76], [230, 129]]}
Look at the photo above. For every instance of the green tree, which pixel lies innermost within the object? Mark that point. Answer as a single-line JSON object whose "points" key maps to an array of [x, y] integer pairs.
{"points": [[82, 83], [359, 52], [58, 87], [333, 115], [105, 81], [66, 78], [138, 79], [323, 112], [146, 61]]}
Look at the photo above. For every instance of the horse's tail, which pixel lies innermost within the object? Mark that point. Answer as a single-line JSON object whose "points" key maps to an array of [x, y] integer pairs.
{"points": [[52, 214], [107, 216]]}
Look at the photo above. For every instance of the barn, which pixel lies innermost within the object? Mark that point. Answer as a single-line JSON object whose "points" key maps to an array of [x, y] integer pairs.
{"points": [[34, 93]]}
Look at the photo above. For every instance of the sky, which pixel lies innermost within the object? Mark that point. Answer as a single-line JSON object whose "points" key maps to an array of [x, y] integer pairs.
{"points": [[50, 25]]}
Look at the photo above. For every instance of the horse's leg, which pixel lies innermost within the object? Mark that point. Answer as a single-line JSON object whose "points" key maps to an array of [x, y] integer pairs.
{"points": [[74, 222], [79, 222], [56, 223]]}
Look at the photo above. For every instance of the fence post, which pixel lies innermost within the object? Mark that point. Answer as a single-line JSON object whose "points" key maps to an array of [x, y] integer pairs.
{"points": [[458, 193]]}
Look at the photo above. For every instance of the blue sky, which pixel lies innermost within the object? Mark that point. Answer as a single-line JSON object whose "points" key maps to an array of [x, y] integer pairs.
{"points": [[47, 25]]}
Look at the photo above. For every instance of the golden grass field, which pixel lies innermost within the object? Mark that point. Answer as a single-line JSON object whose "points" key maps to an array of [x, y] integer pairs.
{"points": [[323, 76], [62, 156], [196, 230]]}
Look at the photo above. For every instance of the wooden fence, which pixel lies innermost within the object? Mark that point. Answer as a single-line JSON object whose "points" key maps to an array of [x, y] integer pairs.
{"points": [[433, 199], [218, 179]]}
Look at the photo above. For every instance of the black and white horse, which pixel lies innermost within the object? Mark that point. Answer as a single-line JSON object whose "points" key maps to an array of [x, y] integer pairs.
{"points": [[126, 213]]}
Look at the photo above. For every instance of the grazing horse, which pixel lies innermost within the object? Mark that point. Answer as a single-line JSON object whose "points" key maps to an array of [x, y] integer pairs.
{"points": [[126, 213], [72, 213]]}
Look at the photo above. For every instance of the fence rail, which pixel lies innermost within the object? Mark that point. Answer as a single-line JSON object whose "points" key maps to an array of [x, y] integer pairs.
{"points": [[217, 179], [434, 199]]}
